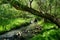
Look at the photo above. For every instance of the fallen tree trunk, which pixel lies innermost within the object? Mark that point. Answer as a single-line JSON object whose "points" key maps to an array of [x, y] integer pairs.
{"points": [[50, 17]]}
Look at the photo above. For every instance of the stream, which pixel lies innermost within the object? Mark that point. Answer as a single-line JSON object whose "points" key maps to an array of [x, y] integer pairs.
{"points": [[9, 35]]}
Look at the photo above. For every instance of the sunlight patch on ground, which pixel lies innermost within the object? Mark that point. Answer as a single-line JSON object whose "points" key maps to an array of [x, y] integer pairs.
{"points": [[13, 24]]}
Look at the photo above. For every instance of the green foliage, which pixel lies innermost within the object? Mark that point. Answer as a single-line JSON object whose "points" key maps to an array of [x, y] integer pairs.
{"points": [[12, 18], [48, 35]]}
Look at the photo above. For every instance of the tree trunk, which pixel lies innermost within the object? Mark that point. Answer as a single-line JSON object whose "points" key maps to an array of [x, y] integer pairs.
{"points": [[48, 16]]}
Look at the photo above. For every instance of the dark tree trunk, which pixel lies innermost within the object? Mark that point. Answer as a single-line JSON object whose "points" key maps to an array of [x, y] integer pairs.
{"points": [[48, 16]]}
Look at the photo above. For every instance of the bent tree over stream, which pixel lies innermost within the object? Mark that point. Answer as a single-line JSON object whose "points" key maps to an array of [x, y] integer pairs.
{"points": [[38, 20]]}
